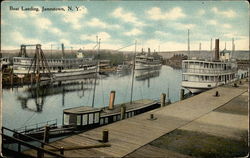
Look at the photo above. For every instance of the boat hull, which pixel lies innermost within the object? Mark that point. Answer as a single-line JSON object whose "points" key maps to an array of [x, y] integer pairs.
{"points": [[141, 66]]}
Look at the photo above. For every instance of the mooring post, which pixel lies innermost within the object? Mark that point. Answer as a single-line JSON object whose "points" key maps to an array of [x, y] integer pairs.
{"points": [[111, 100], [123, 112], [21, 80], [105, 136], [62, 150], [11, 79], [163, 99], [40, 154], [182, 94], [46, 134]]}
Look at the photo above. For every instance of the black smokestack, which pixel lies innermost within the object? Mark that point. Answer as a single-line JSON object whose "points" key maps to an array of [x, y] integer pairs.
{"points": [[217, 49]]}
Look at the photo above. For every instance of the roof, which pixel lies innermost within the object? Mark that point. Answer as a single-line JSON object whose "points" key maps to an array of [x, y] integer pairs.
{"points": [[81, 110]]}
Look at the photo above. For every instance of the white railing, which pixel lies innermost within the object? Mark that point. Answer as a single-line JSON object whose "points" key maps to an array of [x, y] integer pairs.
{"points": [[207, 71]]}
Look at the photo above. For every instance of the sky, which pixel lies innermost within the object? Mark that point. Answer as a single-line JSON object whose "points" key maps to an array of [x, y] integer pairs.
{"points": [[159, 25]]}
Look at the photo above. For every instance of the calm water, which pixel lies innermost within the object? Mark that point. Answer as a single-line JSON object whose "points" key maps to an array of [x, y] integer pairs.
{"points": [[29, 105]]}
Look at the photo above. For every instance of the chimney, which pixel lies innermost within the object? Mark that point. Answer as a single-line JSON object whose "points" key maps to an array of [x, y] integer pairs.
{"points": [[111, 100], [149, 50], [63, 51], [217, 49]]}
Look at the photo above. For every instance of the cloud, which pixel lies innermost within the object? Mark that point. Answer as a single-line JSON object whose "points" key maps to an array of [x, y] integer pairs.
{"points": [[45, 24], [65, 42], [128, 17], [212, 22], [20, 39], [95, 22], [155, 13], [74, 17], [161, 33], [104, 36], [228, 13], [201, 12], [133, 32], [227, 26], [180, 26]]}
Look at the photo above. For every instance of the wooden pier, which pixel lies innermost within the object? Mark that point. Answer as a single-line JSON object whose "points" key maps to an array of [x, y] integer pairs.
{"points": [[131, 137]]}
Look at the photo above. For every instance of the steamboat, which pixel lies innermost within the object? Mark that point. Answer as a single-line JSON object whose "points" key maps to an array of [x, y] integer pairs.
{"points": [[145, 61], [201, 75], [54, 68]]}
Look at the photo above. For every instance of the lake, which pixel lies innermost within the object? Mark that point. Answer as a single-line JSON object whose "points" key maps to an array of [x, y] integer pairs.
{"points": [[34, 104]]}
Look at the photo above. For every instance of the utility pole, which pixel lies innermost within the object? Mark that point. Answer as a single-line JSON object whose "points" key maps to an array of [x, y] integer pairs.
{"points": [[188, 45], [133, 74], [1, 113]]}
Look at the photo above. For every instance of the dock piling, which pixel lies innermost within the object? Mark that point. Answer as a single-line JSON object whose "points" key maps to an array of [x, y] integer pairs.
{"points": [[46, 134], [163, 99], [62, 150], [123, 112], [235, 85], [217, 94], [111, 100], [105, 136], [11, 79], [182, 94]]}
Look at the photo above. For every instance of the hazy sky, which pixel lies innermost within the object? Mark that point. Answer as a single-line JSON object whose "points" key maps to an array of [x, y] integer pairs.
{"points": [[156, 24]]}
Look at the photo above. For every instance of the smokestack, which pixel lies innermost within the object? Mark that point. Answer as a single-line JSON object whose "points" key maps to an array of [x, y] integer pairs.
{"points": [[63, 50], [111, 100], [148, 50], [142, 50], [217, 49]]}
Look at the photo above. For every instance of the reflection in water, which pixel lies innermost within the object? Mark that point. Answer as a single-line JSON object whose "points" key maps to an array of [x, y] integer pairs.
{"points": [[142, 75], [38, 92], [46, 101]]}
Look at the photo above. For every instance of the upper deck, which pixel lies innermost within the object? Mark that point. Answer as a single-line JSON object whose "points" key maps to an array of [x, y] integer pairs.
{"points": [[208, 67]]}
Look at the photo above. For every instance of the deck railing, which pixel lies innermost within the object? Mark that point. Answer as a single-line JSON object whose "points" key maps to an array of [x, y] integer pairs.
{"points": [[207, 71], [40, 150], [37, 127]]}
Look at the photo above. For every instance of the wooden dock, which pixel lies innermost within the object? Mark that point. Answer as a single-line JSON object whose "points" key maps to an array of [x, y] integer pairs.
{"points": [[133, 134]]}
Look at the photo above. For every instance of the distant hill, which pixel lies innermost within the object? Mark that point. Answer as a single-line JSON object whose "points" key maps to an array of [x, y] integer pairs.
{"points": [[242, 55]]}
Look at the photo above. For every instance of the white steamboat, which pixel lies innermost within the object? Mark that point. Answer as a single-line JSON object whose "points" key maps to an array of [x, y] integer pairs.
{"points": [[145, 61], [201, 75]]}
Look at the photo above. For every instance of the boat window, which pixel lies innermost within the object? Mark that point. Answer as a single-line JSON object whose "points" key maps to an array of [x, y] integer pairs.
{"points": [[129, 114], [91, 118], [106, 120], [84, 119], [101, 121], [114, 118], [66, 119], [97, 117], [133, 113], [78, 120], [118, 117]]}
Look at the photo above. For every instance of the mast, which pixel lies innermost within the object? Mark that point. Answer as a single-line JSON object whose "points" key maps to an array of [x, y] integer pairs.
{"points": [[211, 45], [133, 74], [63, 54], [233, 47], [1, 98], [188, 45], [98, 43]]}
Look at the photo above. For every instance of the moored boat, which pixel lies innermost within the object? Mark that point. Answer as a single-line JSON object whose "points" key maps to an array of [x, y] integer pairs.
{"points": [[58, 67], [201, 75], [144, 61]]}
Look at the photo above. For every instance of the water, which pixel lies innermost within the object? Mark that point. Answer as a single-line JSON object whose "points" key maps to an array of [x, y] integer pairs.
{"points": [[24, 106]]}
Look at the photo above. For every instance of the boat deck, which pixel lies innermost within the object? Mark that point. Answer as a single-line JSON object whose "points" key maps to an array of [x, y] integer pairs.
{"points": [[138, 104]]}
